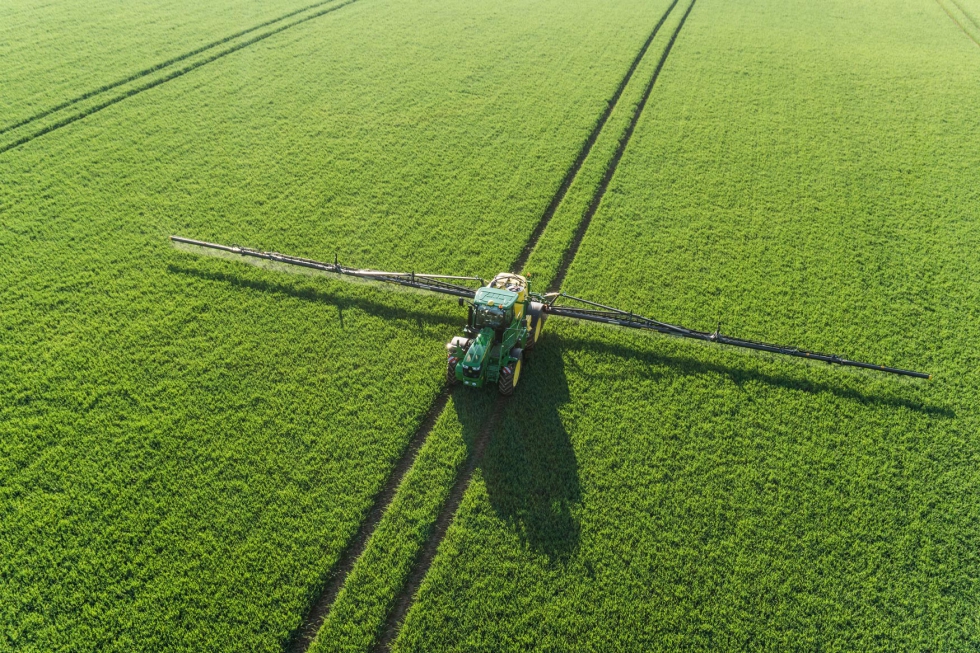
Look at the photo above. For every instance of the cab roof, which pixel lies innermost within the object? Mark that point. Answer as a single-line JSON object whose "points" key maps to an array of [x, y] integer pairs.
{"points": [[509, 281], [495, 297]]}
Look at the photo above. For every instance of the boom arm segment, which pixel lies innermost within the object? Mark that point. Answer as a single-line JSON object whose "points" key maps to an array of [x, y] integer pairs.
{"points": [[607, 315], [439, 283]]}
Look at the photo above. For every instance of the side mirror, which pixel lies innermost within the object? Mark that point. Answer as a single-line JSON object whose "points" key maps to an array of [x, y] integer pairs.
{"points": [[461, 302]]}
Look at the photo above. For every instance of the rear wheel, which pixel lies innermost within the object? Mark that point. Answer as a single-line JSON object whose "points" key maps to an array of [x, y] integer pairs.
{"points": [[510, 374], [537, 323]]}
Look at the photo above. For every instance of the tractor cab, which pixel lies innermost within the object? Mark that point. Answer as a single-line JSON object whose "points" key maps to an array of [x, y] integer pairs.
{"points": [[494, 308], [514, 285], [498, 304]]}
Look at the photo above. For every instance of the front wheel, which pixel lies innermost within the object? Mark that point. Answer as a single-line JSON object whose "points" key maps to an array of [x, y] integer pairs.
{"points": [[510, 374], [451, 371]]}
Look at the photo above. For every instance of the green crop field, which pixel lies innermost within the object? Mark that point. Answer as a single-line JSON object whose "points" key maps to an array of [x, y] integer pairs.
{"points": [[798, 177], [58, 51], [201, 455]]}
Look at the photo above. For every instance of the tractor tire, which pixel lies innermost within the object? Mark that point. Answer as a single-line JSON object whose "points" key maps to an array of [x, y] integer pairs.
{"points": [[451, 371], [510, 374], [538, 318]]}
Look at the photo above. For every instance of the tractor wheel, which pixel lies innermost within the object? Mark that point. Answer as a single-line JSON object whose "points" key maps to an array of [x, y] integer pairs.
{"points": [[510, 374], [451, 371], [537, 324]]}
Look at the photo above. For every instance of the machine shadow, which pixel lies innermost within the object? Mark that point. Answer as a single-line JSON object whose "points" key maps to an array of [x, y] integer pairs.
{"points": [[529, 465], [738, 375], [342, 303]]}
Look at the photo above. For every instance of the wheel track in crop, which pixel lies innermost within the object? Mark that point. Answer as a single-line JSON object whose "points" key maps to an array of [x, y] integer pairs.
{"points": [[152, 69], [406, 598], [958, 23], [174, 74], [318, 611], [967, 15], [613, 164], [321, 606], [420, 567], [586, 148]]}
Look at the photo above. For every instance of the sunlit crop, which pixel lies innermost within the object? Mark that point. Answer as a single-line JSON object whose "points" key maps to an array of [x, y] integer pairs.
{"points": [[806, 173], [188, 444]]}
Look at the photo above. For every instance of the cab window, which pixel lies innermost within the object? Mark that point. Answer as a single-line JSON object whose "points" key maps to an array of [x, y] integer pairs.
{"points": [[490, 316]]}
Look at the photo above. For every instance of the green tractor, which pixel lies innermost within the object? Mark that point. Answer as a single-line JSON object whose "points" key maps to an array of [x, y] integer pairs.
{"points": [[504, 323], [505, 319]]}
